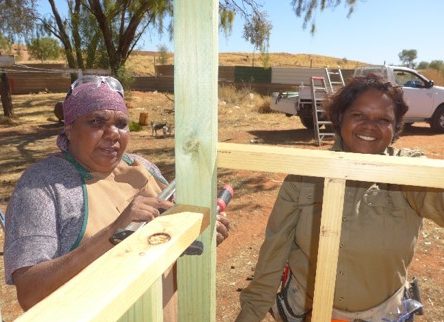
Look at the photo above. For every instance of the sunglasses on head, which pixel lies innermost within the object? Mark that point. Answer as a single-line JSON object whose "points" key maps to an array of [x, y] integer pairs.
{"points": [[112, 83]]}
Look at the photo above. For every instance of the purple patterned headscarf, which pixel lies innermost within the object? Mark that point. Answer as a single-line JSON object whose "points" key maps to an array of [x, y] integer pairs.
{"points": [[87, 98]]}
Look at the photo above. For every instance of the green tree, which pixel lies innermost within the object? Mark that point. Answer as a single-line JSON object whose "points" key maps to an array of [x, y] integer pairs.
{"points": [[423, 65], [257, 31], [5, 45], [437, 64], [309, 8], [163, 54], [102, 33], [407, 57], [44, 48], [17, 18], [118, 26]]}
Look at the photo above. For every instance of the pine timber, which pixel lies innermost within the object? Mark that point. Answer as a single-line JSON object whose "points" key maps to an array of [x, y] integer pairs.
{"points": [[195, 96], [105, 289], [420, 172]]}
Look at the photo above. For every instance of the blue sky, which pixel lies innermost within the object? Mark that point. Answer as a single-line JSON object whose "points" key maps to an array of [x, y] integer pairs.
{"points": [[375, 33]]}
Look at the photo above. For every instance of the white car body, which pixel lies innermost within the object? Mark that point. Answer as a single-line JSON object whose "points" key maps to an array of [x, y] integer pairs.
{"points": [[420, 94], [285, 102]]}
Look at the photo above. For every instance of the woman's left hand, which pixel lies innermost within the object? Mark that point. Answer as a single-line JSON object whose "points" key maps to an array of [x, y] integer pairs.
{"points": [[222, 227]]}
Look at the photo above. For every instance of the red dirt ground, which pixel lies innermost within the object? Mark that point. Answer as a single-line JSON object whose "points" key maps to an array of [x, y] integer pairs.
{"points": [[32, 136]]}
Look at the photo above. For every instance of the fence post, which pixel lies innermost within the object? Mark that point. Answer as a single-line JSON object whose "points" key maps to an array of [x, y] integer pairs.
{"points": [[195, 93]]}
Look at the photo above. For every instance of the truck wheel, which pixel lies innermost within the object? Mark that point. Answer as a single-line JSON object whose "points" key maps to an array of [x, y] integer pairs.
{"points": [[307, 121], [438, 119]]}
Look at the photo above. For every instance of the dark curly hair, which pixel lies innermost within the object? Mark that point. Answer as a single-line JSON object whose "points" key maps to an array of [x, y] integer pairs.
{"points": [[345, 97]]}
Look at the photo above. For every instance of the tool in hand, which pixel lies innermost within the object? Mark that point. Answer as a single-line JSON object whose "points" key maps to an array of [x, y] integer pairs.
{"points": [[123, 233], [196, 248], [223, 199]]}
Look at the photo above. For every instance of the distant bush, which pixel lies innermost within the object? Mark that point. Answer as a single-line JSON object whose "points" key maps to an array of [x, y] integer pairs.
{"points": [[163, 54], [244, 96], [423, 65], [437, 64], [263, 105], [44, 48], [135, 127], [5, 45], [231, 95]]}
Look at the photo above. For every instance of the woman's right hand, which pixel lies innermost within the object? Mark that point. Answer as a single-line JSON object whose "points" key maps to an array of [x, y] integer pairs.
{"points": [[144, 207]]}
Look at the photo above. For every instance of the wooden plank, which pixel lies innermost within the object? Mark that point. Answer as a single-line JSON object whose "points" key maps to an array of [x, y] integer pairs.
{"points": [[148, 308], [328, 250], [195, 95], [104, 290], [153, 303], [340, 165]]}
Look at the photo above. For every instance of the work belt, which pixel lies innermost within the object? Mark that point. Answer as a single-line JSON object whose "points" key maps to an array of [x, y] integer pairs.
{"points": [[289, 304]]}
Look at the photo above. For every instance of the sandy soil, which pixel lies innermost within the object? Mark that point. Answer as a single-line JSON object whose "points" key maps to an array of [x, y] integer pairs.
{"points": [[31, 137]]}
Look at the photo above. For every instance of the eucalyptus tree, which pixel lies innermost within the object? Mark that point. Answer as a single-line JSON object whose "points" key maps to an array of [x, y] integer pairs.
{"points": [[17, 18]]}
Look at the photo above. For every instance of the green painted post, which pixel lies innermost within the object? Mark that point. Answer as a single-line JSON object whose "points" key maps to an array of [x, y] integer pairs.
{"points": [[195, 95]]}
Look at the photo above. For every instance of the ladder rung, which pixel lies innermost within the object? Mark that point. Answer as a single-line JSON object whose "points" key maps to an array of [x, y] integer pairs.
{"points": [[325, 122]]}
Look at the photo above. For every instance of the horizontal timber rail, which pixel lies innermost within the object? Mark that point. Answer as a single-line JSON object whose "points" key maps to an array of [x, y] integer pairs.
{"points": [[108, 287], [421, 172], [336, 168]]}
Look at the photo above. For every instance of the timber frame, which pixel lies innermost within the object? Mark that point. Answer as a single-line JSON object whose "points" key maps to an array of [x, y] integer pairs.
{"points": [[126, 281]]}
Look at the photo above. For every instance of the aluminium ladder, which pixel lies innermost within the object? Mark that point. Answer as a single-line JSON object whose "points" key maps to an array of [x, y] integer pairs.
{"points": [[334, 79], [319, 93]]}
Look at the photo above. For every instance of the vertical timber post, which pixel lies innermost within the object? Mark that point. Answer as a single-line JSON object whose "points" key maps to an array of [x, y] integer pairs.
{"points": [[328, 251], [195, 92]]}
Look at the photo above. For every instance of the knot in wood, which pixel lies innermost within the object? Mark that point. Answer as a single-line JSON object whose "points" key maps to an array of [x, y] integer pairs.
{"points": [[158, 238], [191, 146]]}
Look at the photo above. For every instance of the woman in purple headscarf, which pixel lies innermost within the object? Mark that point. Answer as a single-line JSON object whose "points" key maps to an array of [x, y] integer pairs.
{"points": [[65, 208]]}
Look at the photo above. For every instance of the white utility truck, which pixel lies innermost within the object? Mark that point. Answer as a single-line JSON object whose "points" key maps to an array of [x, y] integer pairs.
{"points": [[425, 100], [300, 103]]}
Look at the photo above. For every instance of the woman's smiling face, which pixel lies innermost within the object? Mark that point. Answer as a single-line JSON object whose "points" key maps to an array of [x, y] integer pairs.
{"points": [[368, 125]]}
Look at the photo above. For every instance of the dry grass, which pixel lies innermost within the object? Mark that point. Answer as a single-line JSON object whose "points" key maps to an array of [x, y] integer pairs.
{"points": [[286, 59], [142, 63], [229, 95], [435, 75]]}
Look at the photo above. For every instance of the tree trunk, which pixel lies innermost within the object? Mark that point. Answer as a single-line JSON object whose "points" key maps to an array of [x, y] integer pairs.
{"points": [[64, 38], [5, 93]]}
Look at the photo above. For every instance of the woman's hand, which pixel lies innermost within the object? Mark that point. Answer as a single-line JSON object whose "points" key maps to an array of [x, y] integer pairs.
{"points": [[222, 227], [144, 207]]}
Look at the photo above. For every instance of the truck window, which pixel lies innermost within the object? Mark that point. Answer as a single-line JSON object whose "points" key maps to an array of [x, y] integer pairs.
{"points": [[408, 79]]}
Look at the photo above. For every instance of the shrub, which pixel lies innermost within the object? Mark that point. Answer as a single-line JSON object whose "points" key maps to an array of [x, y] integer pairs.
{"points": [[263, 105], [232, 95], [163, 54], [244, 96], [134, 126], [44, 48]]}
